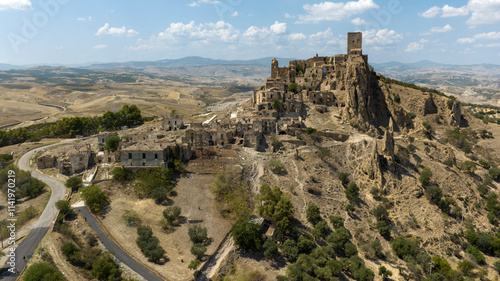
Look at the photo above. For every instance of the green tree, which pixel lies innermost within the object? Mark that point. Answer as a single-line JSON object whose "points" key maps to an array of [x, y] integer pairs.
{"points": [[172, 214], [194, 264], [313, 214], [247, 234], [434, 193], [290, 250], [277, 167], [69, 249], [404, 247], [105, 268], [494, 173], [122, 174], [476, 254], [149, 180], [42, 271], [198, 250], [352, 191], [197, 234], [428, 130], [383, 228], [336, 221], [338, 238], [270, 249], [425, 176], [112, 143], [283, 215], [277, 105], [384, 272], [496, 266], [441, 265], [149, 244], [292, 87], [381, 213], [466, 267], [467, 166], [74, 183], [350, 249], [64, 207], [94, 198]]}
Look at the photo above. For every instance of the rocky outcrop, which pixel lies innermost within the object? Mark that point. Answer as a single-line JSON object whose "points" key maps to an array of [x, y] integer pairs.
{"points": [[388, 150], [430, 106], [371, 167], [456, 114], [367, 103]]}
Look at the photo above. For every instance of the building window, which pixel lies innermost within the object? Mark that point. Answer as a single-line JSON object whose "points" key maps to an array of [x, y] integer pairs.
{"points": [[130, 156], [156, 155], [144, 156]]}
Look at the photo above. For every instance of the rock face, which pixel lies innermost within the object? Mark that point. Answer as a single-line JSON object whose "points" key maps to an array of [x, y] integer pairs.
{"points": [[456, 114], [430, 106], [371, 167], [367, 106], [388, 150]]}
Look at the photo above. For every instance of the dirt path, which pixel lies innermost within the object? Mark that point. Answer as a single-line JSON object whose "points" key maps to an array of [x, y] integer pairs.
{"points": [[69, 273], [225, 249]]}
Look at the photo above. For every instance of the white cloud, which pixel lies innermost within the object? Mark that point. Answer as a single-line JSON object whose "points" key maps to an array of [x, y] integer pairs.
{"points": [[219, 31], [288, 16], [197, 3], [278, 27], [449, 11], [481, 36], [297, 36], [431, 13], [445, 12], [484, 11], [99, 47], [330, 11], [423, 41], [414, 46], [89, 18], [466, 40], [15, 4], [59, 48], [381, 37], [122, 31], [235, 14], [359, 21], [437, 29]]}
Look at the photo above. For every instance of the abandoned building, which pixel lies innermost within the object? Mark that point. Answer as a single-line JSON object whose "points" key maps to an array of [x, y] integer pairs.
{"points": [[153, 154], [174, 123]]}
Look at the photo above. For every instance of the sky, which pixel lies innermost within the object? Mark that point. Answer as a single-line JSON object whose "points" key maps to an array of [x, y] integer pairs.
{"points": [[72, 32]]}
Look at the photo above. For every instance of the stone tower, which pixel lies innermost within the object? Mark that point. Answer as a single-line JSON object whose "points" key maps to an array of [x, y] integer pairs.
{"points": [[354, 41], [274, 68]]}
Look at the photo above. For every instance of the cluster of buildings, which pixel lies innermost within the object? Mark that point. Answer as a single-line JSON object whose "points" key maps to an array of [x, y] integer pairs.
{"points": [[275, 109]]}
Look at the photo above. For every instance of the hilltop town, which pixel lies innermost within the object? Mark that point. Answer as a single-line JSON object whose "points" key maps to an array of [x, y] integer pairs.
{"points": [[346, 173]]}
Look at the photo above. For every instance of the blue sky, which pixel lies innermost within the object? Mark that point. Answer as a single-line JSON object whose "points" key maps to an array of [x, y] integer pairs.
{"points": [[78, 32]]}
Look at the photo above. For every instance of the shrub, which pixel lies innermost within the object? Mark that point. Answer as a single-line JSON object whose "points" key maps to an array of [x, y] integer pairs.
{"points": [[404, 247], [198, 250], [429, 131], [122, 174], [29, 187], [383, 228], [440, 265], [290, 250], [434, 193], [466, 267], [482, 189], [149, 244], [338, 238], [194, 264], [313, 214], [352, 191], [42, 271], [320, 229], [277, 167], [350, 249], [467, 166], [384, 272], [69, 249], [494, 173], [105, 268], [496, 266], [412, 115], [425, 176], [270, 249], [74, 183], [132, 217], [172, 214], [112, 143], [305, 245], [397, 98], [246, 234], [64, 207], [344, 178], [476, 254], [336, 221], [276, 143], [310, 130], [94, 198], [277, 105], [381, 213], [197, 234], [293, 86]]}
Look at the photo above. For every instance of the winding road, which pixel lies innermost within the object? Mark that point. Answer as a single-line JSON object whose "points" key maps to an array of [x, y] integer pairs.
{"points": [[38, 229]]}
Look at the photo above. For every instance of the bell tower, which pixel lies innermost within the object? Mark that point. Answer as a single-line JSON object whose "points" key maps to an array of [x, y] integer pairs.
{"points": [[274, 68]]}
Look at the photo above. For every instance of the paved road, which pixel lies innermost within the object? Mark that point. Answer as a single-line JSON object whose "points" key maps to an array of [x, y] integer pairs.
{"points": [[117, 251], [40, 227]]}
